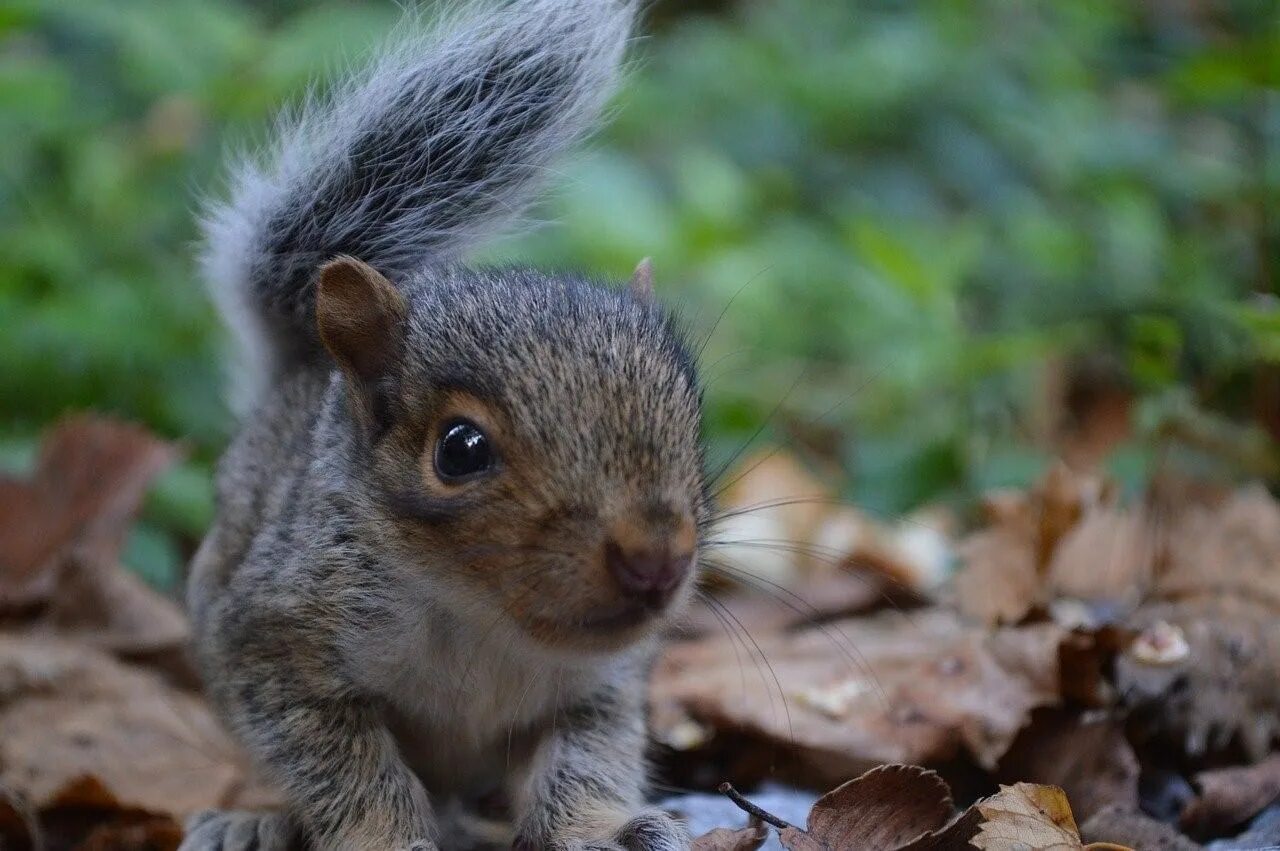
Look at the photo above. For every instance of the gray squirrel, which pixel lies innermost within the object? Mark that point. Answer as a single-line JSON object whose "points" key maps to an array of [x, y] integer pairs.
{"points": [[465, 504]]}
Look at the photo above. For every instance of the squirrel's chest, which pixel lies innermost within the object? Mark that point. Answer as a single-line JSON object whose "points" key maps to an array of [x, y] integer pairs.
{"points": [[465, 714]]}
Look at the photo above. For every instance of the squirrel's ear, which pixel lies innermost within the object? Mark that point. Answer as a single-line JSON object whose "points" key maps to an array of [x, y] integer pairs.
{"points": [[361, 316], [641, 284]]}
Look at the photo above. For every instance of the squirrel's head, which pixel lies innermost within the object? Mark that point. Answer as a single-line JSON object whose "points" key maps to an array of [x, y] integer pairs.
{"points": [[532, 445]]}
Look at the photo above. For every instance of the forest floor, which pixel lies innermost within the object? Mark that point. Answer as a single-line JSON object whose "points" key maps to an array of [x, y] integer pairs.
{"points": [[1066, 669]]}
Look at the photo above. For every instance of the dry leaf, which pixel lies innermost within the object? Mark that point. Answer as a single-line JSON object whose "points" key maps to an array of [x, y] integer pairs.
{"points": [[821, 597], [60, 537], [1223, 688], [18, 829], [1109, 556], [68, 712], [1026, 817], [914, 555], [1232, 549], [728, 839], [1135, 829], [859, 693], [1061, 498], [998, 581], [887, 808], [1089, 759], [89, 480], [772, 501], [1231, 796], [85, 816]]}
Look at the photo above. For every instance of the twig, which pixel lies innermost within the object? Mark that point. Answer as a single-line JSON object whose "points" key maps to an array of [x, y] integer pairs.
{"points": [[751, 809]]}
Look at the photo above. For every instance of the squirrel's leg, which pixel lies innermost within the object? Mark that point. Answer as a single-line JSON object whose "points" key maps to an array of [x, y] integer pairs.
{"points": [[585, 790], [341, 773]]}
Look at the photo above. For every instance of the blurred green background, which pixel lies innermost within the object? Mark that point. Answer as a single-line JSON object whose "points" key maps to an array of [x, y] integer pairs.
{"points": [[931, 237]]}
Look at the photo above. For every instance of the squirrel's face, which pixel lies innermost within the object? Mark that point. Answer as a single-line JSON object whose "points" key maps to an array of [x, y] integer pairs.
{"points": [[535, 449]]}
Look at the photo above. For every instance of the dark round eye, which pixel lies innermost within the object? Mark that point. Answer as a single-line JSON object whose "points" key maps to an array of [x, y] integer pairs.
{"points": [[463, 451]]}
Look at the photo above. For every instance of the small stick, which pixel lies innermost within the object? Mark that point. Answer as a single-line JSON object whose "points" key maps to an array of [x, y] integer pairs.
{"points": [[751, 809]]}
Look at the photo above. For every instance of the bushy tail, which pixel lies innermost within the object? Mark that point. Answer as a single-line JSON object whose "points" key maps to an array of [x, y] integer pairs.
{"points": [[435, 145]]}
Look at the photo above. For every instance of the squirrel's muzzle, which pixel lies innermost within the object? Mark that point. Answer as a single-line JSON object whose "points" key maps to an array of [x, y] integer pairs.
{"points": [[649, 575]]}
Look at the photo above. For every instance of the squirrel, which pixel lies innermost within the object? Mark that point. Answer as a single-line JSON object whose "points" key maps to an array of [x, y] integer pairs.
{"points": [[466, 503]]}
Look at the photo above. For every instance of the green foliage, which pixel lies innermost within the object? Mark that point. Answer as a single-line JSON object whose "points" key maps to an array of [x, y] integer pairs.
{"points": [[905, 212]]}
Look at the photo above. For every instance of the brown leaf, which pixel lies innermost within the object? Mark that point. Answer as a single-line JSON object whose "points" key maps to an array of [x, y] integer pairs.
{"points": [[999, 581], [85, 816], [89, 480], [1120, 824], [858, 693], [887, 807], [1231, 796], [1026, 817], [1223, 687], [68, 712], [821, 597], [18, 828], [1108, 556], [1090, 760], [729, 839], [1061, 498], [771, 497], [112, 609], [1231, 549]]}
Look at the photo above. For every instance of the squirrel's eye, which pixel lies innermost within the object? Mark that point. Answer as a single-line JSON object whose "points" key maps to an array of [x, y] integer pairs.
{"points": [[463, 451]]}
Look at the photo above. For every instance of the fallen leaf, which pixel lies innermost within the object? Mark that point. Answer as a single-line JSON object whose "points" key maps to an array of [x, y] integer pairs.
{"points": [[1086, 661], [1026, 817], [88, 483], [1120, 824], [1061, 498], [729, 839], [1231, 549], [770, 511], [998, 582], [1108, 555], [60, 537], [913, 555], [1229, 797], [68, 712], [821, 597], [85, 816], [885, 808], [18, 828], [854, 694], [1222, 689], [1088, 758]]}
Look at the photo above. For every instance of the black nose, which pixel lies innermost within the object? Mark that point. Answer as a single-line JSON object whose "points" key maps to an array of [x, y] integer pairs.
{"points": [[650, 576]]}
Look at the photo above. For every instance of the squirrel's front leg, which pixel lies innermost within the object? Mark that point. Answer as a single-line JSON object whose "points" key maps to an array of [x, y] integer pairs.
{"points": [[586, 787], [341, 773]]}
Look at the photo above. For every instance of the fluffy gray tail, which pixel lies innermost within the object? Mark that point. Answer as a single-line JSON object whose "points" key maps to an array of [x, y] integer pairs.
{"points": [[438, 143]]}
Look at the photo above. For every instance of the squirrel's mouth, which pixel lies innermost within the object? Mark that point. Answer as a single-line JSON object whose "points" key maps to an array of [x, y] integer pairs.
{"points": [[620, 616], [611, 625]]}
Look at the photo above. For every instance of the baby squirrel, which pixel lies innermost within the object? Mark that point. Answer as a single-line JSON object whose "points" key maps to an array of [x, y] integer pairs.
{"points": [[466, 503]]}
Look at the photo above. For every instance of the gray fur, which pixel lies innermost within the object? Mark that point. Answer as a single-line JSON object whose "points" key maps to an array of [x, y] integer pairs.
{"points": [[390, 648]]}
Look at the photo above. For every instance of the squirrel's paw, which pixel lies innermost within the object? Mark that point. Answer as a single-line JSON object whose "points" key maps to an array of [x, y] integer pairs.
{"points": [[219, 830], [651, 830]]}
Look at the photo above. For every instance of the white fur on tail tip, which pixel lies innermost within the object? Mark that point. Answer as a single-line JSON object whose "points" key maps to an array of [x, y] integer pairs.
{"points": [[439, 142]]}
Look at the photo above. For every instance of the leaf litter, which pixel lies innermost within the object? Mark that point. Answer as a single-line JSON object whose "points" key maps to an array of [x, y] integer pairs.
{"points": [[987, 688]]}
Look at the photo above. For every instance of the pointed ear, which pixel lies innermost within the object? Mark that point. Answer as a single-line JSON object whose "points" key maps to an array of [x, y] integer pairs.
{"points": [[360, 315], [641, 284]]}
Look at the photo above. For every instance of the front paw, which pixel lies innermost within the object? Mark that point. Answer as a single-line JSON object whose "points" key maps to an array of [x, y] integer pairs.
{"points": [[651, 830], [219, 830]]}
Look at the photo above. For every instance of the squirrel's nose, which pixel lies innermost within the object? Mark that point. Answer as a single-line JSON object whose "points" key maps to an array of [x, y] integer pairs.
{"points": [[648, 575]]}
